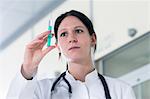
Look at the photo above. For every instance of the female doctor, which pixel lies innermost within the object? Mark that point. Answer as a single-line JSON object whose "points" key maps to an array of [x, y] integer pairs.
{"points": [[76, 40]]}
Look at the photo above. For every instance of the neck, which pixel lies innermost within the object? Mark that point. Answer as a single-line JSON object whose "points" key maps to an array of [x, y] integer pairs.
{"points": [[80, 70]]}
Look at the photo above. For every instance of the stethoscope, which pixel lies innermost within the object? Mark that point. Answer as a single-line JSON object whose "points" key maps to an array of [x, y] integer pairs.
{"points": [[107, 93]]}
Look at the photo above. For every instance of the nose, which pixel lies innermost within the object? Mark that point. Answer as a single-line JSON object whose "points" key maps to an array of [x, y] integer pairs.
{"points": [[72, 38]]}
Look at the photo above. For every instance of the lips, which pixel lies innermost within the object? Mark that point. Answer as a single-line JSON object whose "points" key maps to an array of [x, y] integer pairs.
{"points": [[74, 47]]}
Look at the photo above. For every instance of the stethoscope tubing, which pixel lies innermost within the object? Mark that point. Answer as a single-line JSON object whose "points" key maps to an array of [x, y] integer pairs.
{"points": [[104, 83]]}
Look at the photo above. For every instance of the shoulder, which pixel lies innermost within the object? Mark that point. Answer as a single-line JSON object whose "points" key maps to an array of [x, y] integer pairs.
{"points": [[116, 82], [120, 88]]}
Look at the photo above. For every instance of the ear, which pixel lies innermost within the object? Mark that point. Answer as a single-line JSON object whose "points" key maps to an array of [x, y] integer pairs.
{"points": [[93, 39]]}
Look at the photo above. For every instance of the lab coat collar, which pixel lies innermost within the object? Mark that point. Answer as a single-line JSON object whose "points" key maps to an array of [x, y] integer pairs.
{"points": [[92, 76]]}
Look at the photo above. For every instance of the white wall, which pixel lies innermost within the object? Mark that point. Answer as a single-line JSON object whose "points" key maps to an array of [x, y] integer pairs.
{"points": [[113, 19]]}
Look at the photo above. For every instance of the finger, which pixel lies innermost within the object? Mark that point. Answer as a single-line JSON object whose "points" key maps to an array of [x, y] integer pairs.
{"points": [[45, 40], [42, 35], [45, 51], [34, 44], [47, 36]]}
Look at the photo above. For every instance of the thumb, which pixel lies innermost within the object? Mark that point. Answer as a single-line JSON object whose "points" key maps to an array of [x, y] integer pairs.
{"points": [[45, 51]]}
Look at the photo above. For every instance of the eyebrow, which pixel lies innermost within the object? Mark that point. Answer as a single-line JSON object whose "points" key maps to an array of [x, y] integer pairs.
{"points": [[74, 27], [79, 27]]}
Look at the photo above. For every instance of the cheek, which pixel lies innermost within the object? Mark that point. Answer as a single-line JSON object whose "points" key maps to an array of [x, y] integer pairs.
{"points": [[61, 45], [86, 42], [85, 46]]}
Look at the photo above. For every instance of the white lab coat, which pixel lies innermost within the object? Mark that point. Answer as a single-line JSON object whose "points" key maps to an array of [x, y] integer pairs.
{"points": [[92, 88]]}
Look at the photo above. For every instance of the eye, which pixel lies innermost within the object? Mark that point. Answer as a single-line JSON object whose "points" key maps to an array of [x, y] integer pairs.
{"points": [[78, 30], [63, 34]]}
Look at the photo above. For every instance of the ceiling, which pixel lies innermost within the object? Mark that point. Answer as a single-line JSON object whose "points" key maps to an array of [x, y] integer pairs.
{"points": [[17, 16]]}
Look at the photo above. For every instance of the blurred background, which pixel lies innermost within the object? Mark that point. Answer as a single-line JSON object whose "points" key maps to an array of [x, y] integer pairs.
{"points": [[123, 38]]}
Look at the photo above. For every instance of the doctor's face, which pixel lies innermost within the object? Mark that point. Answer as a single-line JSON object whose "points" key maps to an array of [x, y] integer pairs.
{"points": [[74, 40]]}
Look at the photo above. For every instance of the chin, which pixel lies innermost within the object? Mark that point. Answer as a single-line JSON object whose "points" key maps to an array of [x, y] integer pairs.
{"points": [[74, 59]]}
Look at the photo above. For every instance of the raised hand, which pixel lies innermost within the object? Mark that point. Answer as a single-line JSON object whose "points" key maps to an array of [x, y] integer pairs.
{"points": [[34, 53]]}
